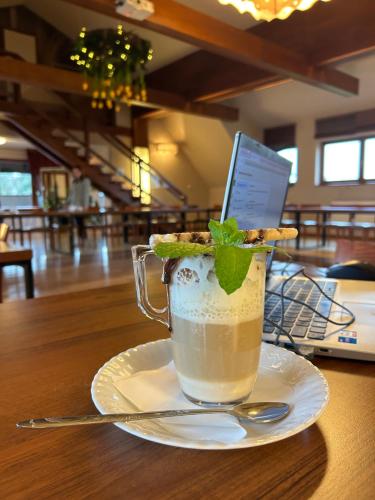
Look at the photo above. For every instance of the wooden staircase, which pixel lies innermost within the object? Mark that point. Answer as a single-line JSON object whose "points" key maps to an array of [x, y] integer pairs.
{"points": [[64, 147], [104, 176]]}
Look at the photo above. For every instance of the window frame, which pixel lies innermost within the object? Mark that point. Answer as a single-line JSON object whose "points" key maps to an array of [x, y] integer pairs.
{"points": [[356, 182], [23, 168], [290, 184]]}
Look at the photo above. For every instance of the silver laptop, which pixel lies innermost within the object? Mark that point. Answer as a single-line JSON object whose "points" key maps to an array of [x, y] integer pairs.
{"points": [[255, 195]]}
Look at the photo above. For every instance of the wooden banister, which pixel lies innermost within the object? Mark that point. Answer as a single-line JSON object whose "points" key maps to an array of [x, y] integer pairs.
{"points": [[4, 231], [88, 150], [127, 151]]}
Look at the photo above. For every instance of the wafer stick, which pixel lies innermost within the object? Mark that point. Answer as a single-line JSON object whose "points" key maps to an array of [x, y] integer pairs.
{"points": [[252, 236]]}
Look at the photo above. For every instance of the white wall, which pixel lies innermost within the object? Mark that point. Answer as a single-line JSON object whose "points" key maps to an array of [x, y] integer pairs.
{"points": [[178, 169], [305, 190], [295, 102], [200, 168], [12, 154]]}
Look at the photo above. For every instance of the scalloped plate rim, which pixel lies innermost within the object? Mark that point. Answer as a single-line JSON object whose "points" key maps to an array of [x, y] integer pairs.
{"points": [[208, 445]]}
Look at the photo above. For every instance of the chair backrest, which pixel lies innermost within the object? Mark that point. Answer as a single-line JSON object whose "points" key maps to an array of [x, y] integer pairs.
{"points": [[353, 249], [4, 230]]}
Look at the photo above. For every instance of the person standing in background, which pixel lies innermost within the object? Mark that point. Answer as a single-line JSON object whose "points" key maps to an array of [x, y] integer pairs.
{"points": [[79, 198]]}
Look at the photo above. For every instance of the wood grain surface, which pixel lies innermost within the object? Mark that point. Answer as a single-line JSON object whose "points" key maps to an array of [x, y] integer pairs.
{"points": [[51, 348], [11, 253]]}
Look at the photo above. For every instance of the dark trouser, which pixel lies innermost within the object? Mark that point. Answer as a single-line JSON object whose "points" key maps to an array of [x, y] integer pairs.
{"points": [[80, 221]]}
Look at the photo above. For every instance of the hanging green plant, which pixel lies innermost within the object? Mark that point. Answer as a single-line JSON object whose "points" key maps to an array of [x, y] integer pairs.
{"points": [[114, 64]]}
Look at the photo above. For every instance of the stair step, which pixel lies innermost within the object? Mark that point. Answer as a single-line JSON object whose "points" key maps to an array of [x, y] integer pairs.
{"points": [[69, 152], [117, 179], [106, 170]]}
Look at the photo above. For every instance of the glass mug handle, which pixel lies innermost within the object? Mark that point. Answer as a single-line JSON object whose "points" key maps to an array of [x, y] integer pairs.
{"points": [[140, 254]]}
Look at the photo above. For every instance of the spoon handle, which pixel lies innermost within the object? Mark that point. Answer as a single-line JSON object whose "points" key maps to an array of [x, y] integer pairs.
{"points": [[48, 422]]}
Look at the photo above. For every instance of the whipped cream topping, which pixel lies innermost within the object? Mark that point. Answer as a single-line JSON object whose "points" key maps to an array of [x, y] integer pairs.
{"points": [[195, 293]]}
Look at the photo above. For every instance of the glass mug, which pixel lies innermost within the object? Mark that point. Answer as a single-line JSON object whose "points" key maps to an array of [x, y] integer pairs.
{"points": [[216, 338]]}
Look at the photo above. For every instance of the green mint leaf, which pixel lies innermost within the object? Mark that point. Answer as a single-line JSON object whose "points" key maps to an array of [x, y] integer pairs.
{"points": [[261, 249], [232, 235], [269, 248], [236, 238], [230, 225], [226, 233], [216, 230], [231, 266], [181, 249]]}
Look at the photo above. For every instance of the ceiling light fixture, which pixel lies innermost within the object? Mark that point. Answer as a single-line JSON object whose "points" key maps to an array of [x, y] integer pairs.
{"points": [[267, 10], [2, 140], [166, 148]]}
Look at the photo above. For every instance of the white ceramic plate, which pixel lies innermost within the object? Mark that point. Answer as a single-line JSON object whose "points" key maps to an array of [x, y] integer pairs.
{"points": [[283, 376]]}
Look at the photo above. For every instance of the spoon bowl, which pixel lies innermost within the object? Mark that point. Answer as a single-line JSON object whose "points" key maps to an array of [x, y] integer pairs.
{"points": [[260, 412]]}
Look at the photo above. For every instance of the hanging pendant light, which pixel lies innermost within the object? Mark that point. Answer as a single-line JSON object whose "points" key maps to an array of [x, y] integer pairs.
{"points": [[267, 10], [114, 64]]}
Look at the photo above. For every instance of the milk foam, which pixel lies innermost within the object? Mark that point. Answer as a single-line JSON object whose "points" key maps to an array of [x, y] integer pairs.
{"points": [[195, 293]]}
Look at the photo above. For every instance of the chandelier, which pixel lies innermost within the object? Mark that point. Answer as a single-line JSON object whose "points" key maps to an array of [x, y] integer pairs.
{"points": [[268, 10], [113, 63]]}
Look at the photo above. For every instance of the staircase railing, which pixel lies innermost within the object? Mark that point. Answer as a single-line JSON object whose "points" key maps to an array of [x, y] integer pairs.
{"points": [[116, 143], [104, 162], [133, 157], [88, 150], [157, 176]]}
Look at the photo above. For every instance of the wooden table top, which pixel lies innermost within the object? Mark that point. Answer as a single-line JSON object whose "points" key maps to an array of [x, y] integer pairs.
{"points": [[334, 209], [33, 213], [11, 253], [50, 349], [150, 211]]}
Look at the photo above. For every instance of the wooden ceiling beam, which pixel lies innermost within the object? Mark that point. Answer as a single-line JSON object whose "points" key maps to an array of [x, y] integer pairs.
{"points": [[326, 34], [64, 117], [22, 72], [178, 21], [22, 109]]}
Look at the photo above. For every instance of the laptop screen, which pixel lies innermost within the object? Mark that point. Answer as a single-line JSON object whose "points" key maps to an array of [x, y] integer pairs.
{"points": [[257, 185]]}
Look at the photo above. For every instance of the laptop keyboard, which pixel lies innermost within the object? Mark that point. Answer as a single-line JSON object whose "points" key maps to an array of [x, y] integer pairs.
{"points": [[299, 321]]}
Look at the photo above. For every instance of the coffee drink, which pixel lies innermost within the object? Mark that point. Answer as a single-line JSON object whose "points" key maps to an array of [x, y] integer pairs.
{"points": [[216, 337]]}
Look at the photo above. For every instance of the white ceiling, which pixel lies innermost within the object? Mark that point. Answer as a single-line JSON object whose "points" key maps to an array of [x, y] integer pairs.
{"points": [[293, 101], [14, 141]]}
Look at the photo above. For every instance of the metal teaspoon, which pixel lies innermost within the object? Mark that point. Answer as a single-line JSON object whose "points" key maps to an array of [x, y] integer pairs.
{"points": [[260, 413]]}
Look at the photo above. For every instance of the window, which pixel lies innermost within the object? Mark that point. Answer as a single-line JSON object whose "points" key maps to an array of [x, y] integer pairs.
{"points": [[369, 159], [349, 161], [15, 184], [141, 176], [291, 154]]}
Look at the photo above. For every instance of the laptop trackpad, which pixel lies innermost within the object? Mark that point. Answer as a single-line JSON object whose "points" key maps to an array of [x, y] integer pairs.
{"points": [[364, 324]]}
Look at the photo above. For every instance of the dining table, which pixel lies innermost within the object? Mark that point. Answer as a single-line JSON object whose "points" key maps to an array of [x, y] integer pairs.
{"points": [[184, 218], [322, 214], [50, 350], [12, 255]]}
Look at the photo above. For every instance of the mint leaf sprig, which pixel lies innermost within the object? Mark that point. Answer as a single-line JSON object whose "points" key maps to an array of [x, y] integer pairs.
{"points": [[180, 249], [232, 261]]}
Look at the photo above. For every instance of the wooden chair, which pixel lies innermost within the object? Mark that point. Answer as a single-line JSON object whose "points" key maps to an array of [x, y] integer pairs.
{"points": [[4, 231]]}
